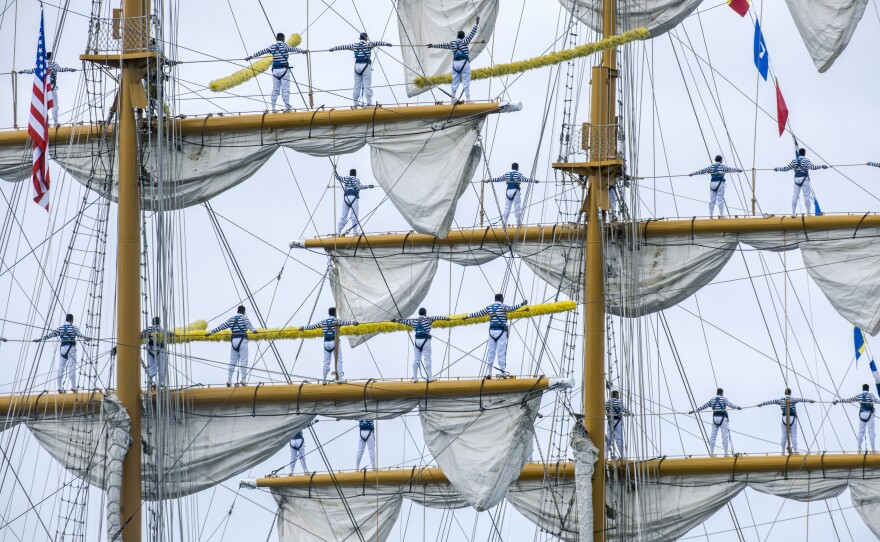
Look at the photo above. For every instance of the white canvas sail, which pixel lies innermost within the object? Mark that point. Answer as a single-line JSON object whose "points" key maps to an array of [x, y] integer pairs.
{"points": [[826, 27], [658, 16]]}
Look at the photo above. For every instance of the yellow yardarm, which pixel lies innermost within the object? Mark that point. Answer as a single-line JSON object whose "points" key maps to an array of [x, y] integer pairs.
{"points": [[196, 332], [539, 62], [250, 72]]}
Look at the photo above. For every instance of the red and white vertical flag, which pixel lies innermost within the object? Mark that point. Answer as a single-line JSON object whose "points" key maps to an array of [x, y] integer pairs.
{"points": [[38, 123]]}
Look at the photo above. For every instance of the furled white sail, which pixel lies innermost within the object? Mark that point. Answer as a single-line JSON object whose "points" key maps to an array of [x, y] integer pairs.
{"points": [[801, 486], [550, 504], [421, 22], [422, 165], [658, 16], [117, 444], [481, 443], [317, 514], [424, 173], [560, 264], [826, 27], [865, 495], [585, 456]]}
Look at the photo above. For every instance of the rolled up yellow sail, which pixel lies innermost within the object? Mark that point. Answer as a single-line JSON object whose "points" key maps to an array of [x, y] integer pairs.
{"points": [[246, 74], [192, 334], [550, 59]]}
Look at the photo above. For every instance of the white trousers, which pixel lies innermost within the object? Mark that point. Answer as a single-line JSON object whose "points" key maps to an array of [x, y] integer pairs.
{"points": [[367, 438], [67, 363], [612, 201], [54, 106], [281, 85], [349, 208], [156, 364], [497, 349], [870, 427], [363, 83], [329, 347], [784, 437], [422, 354], [725, 435], [297, 452], [238, 358], [461, 75], [807, 189], [614, 435], [716, 196], [512, 197]]}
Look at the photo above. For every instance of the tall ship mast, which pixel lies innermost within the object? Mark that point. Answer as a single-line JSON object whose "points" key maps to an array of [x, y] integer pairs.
{"points": [[573, 435]]}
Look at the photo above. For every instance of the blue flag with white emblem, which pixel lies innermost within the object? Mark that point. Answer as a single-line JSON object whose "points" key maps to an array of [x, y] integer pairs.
{"points": [[762, 59]]}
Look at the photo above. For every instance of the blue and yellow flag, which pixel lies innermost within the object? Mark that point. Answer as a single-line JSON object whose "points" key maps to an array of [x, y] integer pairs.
{"points": [[859, 342]]}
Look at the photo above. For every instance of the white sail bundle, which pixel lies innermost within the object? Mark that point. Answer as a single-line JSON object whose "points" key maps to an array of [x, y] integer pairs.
{"points": [[658, 16], [421, 22], [423, 166]]}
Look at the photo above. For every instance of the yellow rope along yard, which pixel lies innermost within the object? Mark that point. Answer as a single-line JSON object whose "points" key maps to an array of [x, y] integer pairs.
{"points": [[195, 332], [246, 74], [551, 59]]}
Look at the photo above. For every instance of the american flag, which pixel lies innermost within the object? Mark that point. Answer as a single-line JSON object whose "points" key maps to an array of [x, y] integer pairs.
{"points": [[38, 124]]}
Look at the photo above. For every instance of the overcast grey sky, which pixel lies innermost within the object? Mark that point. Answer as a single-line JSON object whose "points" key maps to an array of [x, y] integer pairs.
{"points": [[834, 114]]}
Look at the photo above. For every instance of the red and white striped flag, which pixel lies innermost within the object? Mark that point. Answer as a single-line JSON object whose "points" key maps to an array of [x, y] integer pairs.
{"points": [[38, 123]]}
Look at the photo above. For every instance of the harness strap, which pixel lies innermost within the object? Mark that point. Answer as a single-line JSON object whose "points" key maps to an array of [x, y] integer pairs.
{"points": [[66, 353], [238, 348]]}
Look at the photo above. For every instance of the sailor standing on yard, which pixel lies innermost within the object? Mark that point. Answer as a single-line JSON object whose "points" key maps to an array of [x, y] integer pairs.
{"points": [[790, 401], [238, 353], [367, 434], [514, 179], [329, 327], [280, 69], [801, 166], [717, 184], [461, 63], [350, 201], [67, 333], [866, 401], [422, 342], [719, 407], [157, 362], [498, 331], [54, 70], [363, 67], [615, 411]]}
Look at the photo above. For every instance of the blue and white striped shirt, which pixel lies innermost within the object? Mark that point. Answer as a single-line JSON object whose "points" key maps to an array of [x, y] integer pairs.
{"points": [[865, 400], [459, 47], [718, 404], [801, 166], [155, 333], [54, 70], [791, 401], [365, 425], [717, 171], [615, 408], [513, 179], [68, 334], [329, 325], [352, 185], [239, 324], [279, 52], [422, 325], [497, 314], [363, 50]]}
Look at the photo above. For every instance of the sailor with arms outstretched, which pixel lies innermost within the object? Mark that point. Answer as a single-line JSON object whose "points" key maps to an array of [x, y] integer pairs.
{"points": [[329, 327], [802, 167], [367, 437], [280, 68], [54, 70], [790, 402], [615, 411], [351, 196], [514, 180], [717, 184], [238, 352], [422, 341], [461, 63], [363, 67], [67, 334], [866, 401], [498, 331], [719, 405]]}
